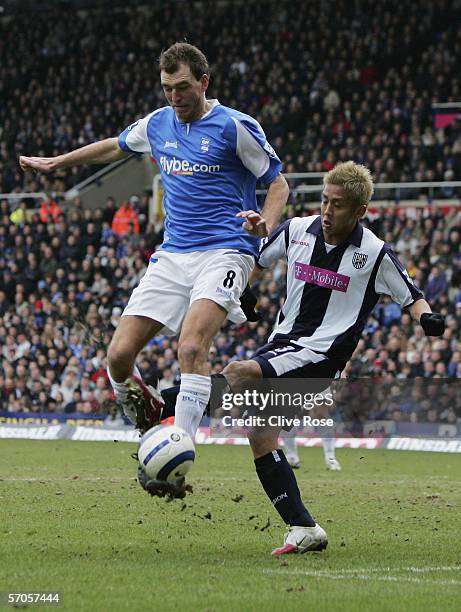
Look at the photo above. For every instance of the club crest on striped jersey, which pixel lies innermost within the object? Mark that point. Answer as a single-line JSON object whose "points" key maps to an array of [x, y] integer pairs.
{"points": [[359, 260]]}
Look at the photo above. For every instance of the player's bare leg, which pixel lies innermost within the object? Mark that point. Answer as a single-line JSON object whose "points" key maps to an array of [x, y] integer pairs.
{"points": [[130, 336], [201, 324], [141, 404], [263, 441]]}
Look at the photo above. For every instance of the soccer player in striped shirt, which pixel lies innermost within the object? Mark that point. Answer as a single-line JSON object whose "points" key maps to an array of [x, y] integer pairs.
{"points": [[337, 270]]}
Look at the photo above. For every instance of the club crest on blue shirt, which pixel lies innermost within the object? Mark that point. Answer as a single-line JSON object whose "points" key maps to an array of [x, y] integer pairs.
{"points": [[359, 260]]}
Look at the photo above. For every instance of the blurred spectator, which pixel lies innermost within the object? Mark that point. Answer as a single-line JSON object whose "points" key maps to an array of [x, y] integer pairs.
{"points": [[21, 215], [49, 210], [126, 218], [366, 98], [436, 284], [109, 211]]}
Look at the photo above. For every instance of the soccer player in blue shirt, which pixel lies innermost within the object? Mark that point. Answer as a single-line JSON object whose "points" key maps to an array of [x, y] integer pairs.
{"points": [[210, 157]]}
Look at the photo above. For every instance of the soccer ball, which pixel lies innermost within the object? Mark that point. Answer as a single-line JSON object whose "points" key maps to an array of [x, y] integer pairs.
{"points": [[166, 452]]}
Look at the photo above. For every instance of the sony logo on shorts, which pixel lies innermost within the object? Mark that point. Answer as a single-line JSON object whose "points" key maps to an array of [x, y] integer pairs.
{"points": [[185, 167]]}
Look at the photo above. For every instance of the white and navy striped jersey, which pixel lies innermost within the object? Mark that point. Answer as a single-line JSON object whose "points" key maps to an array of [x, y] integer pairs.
{"points": [[330, 294]]}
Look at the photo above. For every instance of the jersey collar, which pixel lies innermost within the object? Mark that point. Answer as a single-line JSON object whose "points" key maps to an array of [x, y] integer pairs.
{"points": [[355, 238], [214, 103]]}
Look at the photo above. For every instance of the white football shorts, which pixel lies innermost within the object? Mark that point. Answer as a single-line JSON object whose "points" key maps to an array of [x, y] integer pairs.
{"points": [[174, 280]]}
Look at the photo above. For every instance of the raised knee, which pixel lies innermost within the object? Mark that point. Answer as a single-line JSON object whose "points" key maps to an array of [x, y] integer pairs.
{"points": [[117, 354], [232, 368], [239, 367], [238, 373], [190, 352]]}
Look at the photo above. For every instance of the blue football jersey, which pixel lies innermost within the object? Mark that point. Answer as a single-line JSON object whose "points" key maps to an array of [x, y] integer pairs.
{"points": [[209, 171]]}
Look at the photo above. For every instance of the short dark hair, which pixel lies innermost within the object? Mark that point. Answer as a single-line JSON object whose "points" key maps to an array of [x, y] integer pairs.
{"points": [[184, 53]]}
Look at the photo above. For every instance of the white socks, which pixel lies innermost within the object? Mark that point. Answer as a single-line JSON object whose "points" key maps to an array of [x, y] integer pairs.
{"points": [[289, 444], [193, 397], [329, 449], [291, 450], [327, 434]]}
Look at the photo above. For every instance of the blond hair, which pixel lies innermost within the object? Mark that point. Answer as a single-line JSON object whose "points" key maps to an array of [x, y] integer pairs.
{"points": [[356, 180]]}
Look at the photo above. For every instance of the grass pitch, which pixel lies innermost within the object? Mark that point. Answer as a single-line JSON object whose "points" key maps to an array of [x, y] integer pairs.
{"points": [[74, 520]]}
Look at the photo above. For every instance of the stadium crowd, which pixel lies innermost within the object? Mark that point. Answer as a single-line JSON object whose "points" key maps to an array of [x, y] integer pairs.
{"points": [[354, 80], [63, 286], [358, 84]]}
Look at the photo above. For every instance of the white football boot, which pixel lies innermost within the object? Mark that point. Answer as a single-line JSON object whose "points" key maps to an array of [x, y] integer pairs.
{"points": [[333, 465], [290, 448], [293, 461], [302, 539]]}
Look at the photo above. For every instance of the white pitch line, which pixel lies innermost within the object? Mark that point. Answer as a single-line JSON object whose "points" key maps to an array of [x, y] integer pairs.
{"points": [[342, 575], [437, 568], [410, 569]]}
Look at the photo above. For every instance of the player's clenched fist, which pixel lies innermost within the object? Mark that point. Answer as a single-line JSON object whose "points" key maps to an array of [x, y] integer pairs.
{"points": [[254, 223]]}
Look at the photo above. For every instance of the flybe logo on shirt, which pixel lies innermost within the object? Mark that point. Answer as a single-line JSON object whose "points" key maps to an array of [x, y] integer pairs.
{"points": [[321, 277], [185, 167]]}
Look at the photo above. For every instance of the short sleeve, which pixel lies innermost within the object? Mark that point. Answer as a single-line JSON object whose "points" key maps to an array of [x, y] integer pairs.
{"points": [[252, 148], [274, 246], [134, 138], [392, 279]]}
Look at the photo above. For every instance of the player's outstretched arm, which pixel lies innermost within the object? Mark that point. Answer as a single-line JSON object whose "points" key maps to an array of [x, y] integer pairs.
{"points": [[262, 224], [433, 323], [102, 152], [276, 199]]}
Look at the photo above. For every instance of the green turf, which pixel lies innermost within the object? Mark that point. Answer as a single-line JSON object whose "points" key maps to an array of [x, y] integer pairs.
{"points": [[74, 520]]}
